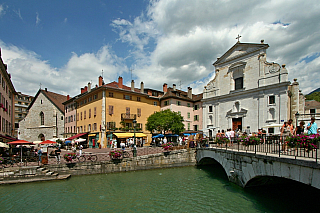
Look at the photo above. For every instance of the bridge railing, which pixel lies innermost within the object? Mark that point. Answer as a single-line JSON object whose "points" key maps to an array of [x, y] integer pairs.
{"points": [[278, 145]]}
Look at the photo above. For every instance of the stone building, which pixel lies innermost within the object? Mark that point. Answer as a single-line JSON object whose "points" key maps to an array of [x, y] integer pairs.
{"points": [[7, 93], [248, 92], [45, 119]]}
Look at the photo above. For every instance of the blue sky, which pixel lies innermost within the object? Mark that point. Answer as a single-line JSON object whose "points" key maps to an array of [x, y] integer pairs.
{"points": [[65, 44]]}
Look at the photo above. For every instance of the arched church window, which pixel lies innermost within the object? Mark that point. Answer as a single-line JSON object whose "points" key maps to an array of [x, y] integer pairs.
{"points": [[41, 118], [271, 114]]}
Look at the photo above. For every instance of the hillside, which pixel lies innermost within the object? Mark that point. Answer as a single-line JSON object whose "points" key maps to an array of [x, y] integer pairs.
{"points": [[313, 96]]}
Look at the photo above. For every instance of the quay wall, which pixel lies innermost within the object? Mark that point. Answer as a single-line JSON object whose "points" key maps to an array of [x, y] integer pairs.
{"points": [[176, 158]]}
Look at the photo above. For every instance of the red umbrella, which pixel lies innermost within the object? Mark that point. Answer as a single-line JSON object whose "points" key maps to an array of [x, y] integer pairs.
{"points": [[20, 142], [47, 142]]}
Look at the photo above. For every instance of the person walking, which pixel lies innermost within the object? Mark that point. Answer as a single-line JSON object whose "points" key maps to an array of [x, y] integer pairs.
{"points": [[58, 152], [312, 127], [39, 154], [80, 150]]}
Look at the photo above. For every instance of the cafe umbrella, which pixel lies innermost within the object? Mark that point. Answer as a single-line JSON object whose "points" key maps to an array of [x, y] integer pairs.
{"points": [[21, 143]]}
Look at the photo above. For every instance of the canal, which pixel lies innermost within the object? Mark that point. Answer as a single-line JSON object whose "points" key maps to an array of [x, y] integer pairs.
{"points": [[184, 189]]}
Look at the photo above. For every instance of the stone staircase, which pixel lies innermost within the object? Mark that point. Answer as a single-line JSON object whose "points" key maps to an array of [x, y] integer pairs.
{"points": [[28, 174]]}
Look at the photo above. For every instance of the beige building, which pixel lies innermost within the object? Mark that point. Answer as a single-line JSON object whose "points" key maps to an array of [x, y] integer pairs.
{"points": [[21, 103], [187, 104], [7, 112]]}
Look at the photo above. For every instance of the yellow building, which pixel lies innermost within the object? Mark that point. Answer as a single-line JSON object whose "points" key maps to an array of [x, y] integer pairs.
{"points": [[109, 110]]}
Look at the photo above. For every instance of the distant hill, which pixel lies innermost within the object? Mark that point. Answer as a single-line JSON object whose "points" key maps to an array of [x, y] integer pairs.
{"points": [[315, 95], [316, 90]]}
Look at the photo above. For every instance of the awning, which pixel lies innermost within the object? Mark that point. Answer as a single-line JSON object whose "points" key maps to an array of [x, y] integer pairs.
{"points": [[123, 135], [140, 135], [76, 136], [92, 135]]}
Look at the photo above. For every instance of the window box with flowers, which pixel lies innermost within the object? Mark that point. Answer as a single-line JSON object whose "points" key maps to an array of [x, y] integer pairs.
{"points": [[116, 154]]}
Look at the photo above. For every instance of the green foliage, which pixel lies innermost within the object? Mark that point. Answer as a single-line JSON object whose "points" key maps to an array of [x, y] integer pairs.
{"points": [[314, 96], [165, 121]]}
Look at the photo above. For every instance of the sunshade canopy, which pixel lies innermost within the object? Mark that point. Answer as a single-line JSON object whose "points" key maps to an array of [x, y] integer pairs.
{"points": [[20, 142]]}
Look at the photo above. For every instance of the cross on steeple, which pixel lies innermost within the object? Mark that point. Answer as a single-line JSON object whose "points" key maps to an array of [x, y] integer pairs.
{"points": [[238, 37]]}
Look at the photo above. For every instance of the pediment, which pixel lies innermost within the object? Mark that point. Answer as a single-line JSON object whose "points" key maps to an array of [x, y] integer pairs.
{"points": [[240, 113], [240, 50]]}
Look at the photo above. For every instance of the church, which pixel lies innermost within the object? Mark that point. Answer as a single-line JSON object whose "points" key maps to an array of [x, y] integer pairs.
{"points": [[248, 92]]}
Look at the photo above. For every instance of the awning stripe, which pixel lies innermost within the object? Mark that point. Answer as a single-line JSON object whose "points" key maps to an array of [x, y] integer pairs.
{"points": [[129, 135]]}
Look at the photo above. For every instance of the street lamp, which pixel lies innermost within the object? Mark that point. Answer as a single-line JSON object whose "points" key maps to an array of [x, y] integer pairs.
{"points": [[134, 138], [297, 117]]}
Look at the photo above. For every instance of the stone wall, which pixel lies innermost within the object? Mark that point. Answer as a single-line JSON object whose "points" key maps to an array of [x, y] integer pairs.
{"points": [[177, 158]]}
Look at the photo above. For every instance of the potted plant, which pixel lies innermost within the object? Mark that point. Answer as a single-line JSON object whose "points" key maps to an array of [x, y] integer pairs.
{"points": [[69, 156], [116, 154], [252, 140]]}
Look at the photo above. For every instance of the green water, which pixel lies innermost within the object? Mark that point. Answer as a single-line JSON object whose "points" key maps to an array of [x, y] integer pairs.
{"points": [[186, 189]]}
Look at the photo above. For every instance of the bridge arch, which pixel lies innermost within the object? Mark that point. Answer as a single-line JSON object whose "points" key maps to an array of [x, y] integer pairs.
{"points": [[247, 169]]}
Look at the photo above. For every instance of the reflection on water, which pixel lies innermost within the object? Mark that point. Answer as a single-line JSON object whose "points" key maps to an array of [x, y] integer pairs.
{"points": [[186, 189]]}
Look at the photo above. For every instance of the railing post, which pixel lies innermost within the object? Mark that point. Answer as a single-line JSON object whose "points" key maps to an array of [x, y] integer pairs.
{"points": [[279, 146]]}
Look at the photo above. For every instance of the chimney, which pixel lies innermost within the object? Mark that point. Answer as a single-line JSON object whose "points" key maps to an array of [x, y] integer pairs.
{"points": [[120, 82], [190, 92], [85, 89], [100, 81], [45, 89], [142, 87], [262, 41], [132, 85], [68, 97], [89, 87], [165, 88], [82, 90], [174, 87]]}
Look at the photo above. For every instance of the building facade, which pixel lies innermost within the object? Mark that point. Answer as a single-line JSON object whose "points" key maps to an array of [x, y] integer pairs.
{"points": [[7, 108], [247, 92], [112, 108], [21, 103], [45, 118], [188, 105]]}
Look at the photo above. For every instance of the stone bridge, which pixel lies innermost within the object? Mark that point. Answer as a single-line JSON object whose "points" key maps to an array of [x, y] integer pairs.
{"points": [[249, 169]]}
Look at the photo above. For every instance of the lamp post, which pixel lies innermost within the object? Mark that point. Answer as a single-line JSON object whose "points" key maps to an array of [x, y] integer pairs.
{"points": [[134, 138], [297, 117]]}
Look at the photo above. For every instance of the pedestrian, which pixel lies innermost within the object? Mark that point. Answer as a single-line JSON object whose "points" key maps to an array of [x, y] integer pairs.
{"points": [[312, 127], [299, 129], [80, 150], [58, 152], [39, 154], [164, 140], [122, 145], [232, 136], [290, 126], [285, 132]]}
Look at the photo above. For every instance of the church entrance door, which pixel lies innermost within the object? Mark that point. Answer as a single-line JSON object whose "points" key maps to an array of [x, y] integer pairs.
{"points": [[236, 123]]}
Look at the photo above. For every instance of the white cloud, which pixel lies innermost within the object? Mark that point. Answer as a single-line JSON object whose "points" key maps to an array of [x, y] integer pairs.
{"points": [[65, 20], [2, 11], [189, 35], [28, 70], [37, 19], [18, 13]]}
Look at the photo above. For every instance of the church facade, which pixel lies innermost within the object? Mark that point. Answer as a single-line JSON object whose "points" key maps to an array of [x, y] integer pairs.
{"points": [[247, 92], [45, 118]]}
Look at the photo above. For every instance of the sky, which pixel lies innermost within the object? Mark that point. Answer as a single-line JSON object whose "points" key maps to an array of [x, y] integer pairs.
{"points": [[62, 45]]}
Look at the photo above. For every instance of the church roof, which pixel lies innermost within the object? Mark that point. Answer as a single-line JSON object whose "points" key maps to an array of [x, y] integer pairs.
{"points": [[232, 53], [55, 98]]}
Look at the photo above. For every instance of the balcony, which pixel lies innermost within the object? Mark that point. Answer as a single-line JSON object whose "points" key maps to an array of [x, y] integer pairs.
{"points": [[125, 116]]}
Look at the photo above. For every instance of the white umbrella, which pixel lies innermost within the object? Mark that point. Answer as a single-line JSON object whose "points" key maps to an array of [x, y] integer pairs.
{"points": [[4, 145], [80, 140]]}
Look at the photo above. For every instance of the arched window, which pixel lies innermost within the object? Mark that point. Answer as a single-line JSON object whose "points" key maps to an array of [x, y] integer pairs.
{"points": [[271, 115], [41, 118], [41, 137]]}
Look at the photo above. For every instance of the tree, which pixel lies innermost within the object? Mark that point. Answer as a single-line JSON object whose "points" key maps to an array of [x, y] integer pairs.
{"points": [[313, 96], [165, 121]]}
